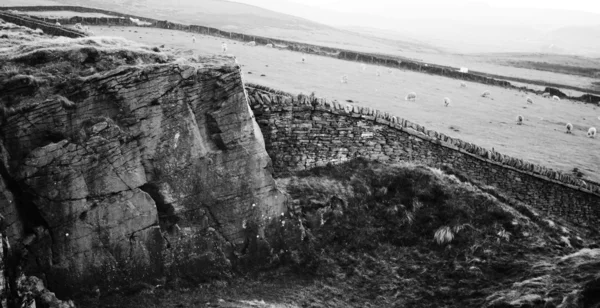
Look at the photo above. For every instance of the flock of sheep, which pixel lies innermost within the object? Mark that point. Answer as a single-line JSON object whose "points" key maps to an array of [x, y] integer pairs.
{"points": [[412, 96], [591, 133]]}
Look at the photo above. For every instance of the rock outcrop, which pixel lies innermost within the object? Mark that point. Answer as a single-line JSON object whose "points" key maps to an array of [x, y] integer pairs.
{"points": [[134, 173]]}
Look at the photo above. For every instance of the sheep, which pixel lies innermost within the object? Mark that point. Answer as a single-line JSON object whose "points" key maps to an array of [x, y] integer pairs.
{"points": [[344, 79], [138, 22], [447, 101], [556, 98], [591, 132], [463, 85], [569, 128], [224, 47], [485, 93], [519, 119], [269, 45], [58, 23], [529, 100], [412, 96], [251, 43], [545, 94]]}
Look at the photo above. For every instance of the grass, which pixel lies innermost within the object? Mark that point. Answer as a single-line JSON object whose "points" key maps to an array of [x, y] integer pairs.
{"points": [[558, 68], [487, 122]]}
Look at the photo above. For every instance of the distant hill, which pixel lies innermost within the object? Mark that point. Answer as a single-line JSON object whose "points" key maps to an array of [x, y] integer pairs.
{"points": [[249, 19]]}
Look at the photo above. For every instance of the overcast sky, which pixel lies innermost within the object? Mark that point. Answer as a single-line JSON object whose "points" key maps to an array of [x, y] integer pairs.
{"points": [[388, 13], [385, 5]]}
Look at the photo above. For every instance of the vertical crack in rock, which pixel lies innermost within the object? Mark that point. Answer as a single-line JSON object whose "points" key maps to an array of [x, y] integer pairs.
{"points": [[215, 132], [167, 217], [28, 211]]}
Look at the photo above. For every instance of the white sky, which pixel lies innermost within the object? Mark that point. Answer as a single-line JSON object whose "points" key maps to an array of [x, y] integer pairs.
{"points": [[402, 13], [372, 6]]}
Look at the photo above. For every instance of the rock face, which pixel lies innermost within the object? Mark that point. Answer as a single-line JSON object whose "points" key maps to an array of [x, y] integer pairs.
{"points": [[136, 173]]}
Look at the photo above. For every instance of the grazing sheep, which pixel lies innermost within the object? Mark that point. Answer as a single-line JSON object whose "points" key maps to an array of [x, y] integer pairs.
{"points": [[463, 85], [529, 100], [58, 23], [447, 101], [269, 45], [569, 128], [485, 94], [224, 47], [519, 119], [252, 43], [545, 94], [344, 79], [138, 22], [591, 132], [412, 96], [556, 98]]}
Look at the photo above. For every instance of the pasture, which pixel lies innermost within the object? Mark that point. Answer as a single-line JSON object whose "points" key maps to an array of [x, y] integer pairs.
{"points": [[488, 122], [64, 14]]}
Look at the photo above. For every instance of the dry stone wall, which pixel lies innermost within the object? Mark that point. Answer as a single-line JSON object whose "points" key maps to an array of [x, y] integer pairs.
{"points": [[372, 58], [304, 132]]}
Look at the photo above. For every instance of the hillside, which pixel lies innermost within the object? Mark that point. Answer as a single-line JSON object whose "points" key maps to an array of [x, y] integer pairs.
{"points": [[238, 17], [376, 235], [136, 176]]}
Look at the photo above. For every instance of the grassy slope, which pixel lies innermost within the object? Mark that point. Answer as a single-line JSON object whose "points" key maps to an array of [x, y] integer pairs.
{"points": [[248, 19], [485, 122], [369, 241]]}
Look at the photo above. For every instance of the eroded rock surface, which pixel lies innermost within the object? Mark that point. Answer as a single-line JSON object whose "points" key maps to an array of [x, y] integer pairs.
{"points": [[135, 173]]}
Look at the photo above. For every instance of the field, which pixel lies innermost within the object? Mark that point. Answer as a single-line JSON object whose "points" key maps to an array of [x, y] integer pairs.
{"points": [[65, 14], [237, 17], [488, 122]]}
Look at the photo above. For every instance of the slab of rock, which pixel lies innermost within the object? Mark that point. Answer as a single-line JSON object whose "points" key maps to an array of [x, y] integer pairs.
{"points": [[154, 170]]}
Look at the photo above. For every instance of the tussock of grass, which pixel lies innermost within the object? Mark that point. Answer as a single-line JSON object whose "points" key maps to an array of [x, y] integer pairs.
{"points": [[79, 50], [414, 236]]}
